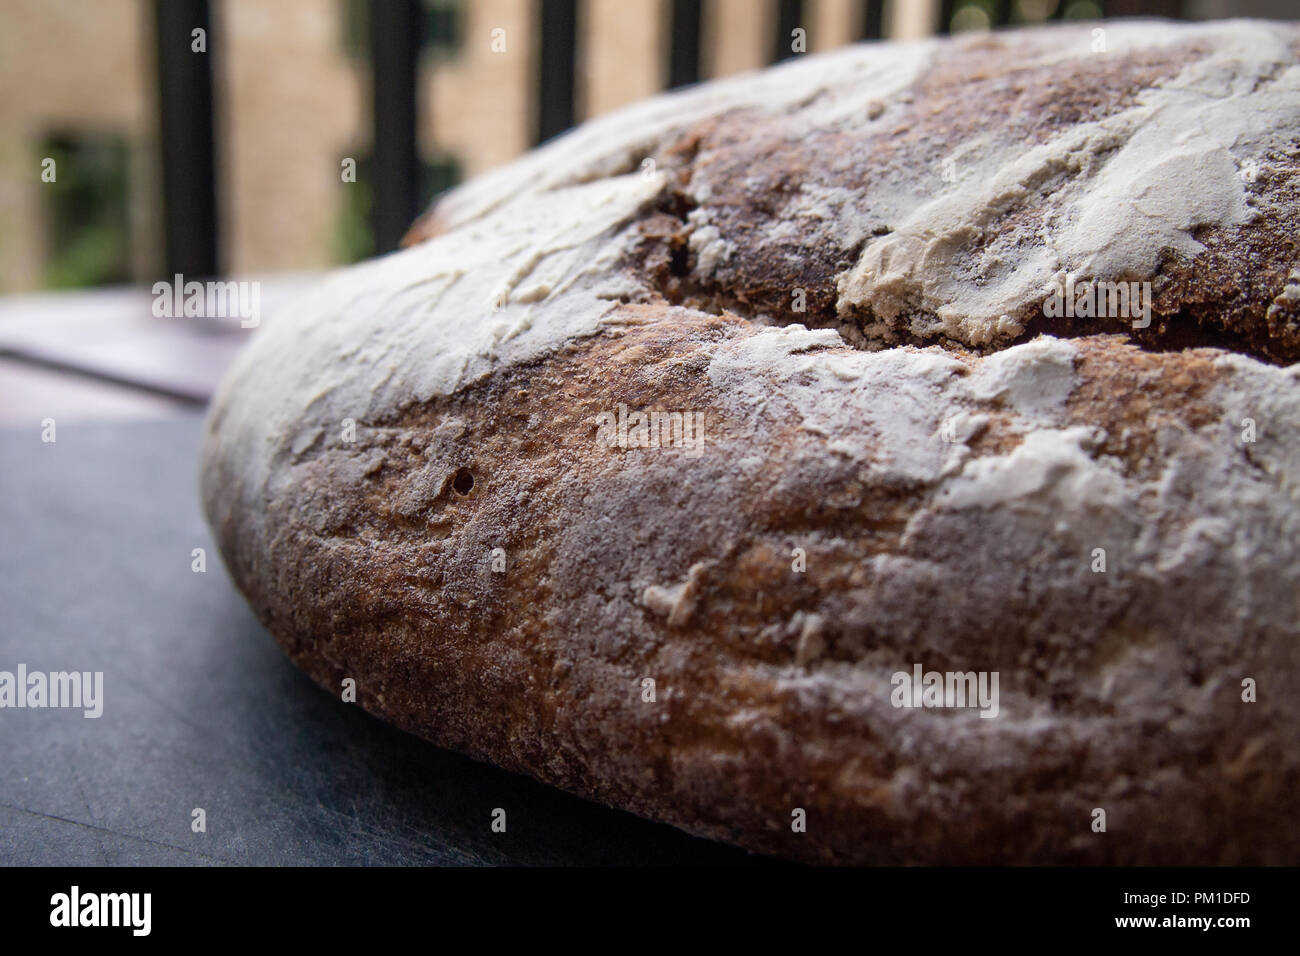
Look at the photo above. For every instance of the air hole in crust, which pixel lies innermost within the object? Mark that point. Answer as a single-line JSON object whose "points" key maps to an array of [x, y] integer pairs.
{"points": [[463, 483]]}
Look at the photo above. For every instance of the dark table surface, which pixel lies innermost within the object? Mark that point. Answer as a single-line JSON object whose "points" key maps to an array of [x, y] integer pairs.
{"points": [[201, 710]]}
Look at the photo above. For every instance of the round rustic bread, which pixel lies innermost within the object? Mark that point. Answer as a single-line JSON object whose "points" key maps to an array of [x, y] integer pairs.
{"points": [[899, 452]]}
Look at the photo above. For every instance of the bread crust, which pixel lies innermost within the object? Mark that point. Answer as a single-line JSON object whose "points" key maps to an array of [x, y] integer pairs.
{"points": [[881, 482]]}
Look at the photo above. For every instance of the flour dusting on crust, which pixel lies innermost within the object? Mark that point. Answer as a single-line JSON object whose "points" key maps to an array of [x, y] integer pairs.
{"points": [[900, 462]]}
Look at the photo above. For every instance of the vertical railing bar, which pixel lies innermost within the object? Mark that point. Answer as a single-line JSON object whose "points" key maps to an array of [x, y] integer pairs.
{"points": [[789, 14], [556, 67], [187, 136], [946, 10], [396, 30], [684, 40], [873, 13]]}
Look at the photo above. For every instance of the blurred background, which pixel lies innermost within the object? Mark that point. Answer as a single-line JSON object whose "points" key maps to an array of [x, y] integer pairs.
{"points": [[215, 138]]}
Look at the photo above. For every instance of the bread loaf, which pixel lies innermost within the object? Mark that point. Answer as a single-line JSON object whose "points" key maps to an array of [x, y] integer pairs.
{"points": [[892, 456]]}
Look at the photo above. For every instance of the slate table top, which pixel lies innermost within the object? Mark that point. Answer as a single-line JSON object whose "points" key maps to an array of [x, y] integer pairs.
{"points": [[201, 709]]}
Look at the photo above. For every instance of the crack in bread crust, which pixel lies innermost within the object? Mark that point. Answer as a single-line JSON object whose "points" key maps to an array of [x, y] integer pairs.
{"points": [[747, 179]]}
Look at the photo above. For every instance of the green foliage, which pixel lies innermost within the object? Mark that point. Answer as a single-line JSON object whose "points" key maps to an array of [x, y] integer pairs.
{"points": [[88, 210]]}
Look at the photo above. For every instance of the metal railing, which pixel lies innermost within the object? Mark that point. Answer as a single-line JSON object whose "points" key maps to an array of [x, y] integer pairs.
{"points": [[191, 239]]}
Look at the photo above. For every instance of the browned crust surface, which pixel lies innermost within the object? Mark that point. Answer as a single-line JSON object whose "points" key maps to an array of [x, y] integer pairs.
{"points": [[373, 559], [381, 571]]}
